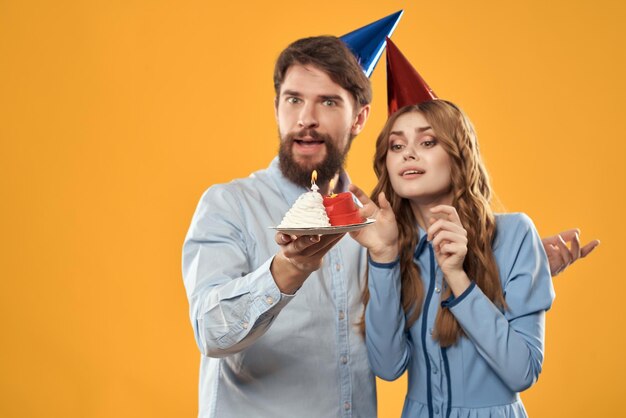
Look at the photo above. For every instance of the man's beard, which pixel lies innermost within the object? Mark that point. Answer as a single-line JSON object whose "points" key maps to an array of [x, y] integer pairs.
{"points": [[300, 173]]}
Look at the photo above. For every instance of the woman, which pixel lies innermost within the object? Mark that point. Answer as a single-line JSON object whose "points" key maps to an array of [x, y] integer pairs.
{"points": [[456, 295]]}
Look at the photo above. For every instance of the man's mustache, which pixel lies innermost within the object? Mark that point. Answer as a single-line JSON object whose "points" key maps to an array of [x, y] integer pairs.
{"points": [[310, 133]]}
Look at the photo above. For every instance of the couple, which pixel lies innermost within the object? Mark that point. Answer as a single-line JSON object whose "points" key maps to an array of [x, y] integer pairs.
{"points": [[452, 292]]}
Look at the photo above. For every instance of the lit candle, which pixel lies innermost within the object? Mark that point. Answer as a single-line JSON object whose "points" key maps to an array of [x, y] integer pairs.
{"points": [[331, 187], [313, 179], [340, 208]]}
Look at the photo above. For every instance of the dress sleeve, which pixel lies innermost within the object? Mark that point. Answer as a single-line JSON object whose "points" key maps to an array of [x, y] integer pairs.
{"points": [[230, 304], [388, 345], [512, 343]]}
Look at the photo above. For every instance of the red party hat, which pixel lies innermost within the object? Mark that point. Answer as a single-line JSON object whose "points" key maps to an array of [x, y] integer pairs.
{"points": [[404, 85]]}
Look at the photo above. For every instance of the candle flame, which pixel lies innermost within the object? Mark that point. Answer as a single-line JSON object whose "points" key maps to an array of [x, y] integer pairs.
{"points": [[314, 177], [331, 187]]}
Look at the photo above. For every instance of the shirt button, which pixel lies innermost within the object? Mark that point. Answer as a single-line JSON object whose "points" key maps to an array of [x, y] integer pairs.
{"points": [[342, 315], [346, 406], [430, 330], [437, 289], [338, 267], [435, 370], [244, 325], [436, 409], [269, 300], [344, 359]]}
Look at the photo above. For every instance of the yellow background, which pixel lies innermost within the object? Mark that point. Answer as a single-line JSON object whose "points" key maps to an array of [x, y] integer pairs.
{"points": [[116, 115]]}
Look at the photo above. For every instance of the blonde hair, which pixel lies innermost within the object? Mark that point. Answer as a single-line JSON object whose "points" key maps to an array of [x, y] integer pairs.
{"points": [[471, 198]]}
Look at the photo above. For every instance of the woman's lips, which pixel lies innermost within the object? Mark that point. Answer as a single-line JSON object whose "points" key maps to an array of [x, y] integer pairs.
{"points": [[411, 172]]}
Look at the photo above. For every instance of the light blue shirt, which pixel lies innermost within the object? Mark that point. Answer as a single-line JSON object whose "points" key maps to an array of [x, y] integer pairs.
{"points": [[266, 354], [501, 353]]}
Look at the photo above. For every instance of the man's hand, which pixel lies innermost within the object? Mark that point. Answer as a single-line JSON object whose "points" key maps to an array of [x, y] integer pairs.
{"points": [[560, 255], [299, 256]]}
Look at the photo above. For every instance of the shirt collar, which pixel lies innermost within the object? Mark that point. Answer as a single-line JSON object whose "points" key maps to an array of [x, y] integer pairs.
{"points": [[292, 191]]}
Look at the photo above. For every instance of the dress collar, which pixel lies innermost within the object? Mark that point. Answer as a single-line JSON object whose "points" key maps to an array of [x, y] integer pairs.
{"points": [[421, 244]]}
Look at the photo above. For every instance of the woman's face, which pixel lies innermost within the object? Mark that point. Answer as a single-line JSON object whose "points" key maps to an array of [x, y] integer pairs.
{"points": [[419, 168]]}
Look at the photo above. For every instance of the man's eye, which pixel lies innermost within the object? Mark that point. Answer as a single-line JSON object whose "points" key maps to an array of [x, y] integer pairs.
{"points": [[293, 100], [329, 103]]}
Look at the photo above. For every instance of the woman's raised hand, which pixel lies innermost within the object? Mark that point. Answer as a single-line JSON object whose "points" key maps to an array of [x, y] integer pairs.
{"points": [[380, 238], [449, 240]]}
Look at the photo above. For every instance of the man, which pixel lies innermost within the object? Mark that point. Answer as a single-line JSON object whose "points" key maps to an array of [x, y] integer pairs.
{"points": [[275, 324]]}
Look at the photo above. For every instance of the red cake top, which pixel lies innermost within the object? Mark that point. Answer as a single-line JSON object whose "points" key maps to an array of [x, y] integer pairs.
{"points": [[341, 209]]}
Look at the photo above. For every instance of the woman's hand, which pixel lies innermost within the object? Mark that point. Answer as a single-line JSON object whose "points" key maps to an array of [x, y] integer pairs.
{"points": [[560, 256], [449, 240], [380, 238]]}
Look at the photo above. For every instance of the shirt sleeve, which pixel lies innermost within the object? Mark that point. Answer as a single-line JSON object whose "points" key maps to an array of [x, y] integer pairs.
{"points": [[231, 304], [388, 345], [512, 343]]}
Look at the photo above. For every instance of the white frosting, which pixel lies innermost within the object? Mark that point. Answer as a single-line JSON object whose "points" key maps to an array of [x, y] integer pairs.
{"points": [[307, 211]]}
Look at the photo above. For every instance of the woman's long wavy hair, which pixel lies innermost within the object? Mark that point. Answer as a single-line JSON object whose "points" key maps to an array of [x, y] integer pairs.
{"points": [[471, 197]]}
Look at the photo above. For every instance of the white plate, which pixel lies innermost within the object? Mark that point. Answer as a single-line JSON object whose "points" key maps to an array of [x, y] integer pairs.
{"points": [[323, 230]]}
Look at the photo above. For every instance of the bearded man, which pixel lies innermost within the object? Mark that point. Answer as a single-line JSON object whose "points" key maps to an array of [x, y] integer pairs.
{"points": [[276, 326]]}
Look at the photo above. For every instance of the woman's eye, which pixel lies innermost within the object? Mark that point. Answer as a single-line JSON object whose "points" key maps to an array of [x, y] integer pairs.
{"points": [[429, 143], [396, 147]]}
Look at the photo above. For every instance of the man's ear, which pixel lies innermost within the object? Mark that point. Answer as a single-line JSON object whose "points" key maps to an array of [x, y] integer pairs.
{"points": [[276, 108], [359, 121]]}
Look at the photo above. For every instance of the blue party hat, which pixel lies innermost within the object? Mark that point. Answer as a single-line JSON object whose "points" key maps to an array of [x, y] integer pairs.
{"points": [[368, 42]]}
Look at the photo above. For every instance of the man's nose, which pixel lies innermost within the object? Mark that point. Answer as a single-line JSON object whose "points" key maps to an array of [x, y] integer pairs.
{"points": [[308, 117]]}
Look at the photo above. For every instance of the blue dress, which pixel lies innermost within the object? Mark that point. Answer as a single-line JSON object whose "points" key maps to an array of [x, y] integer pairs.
{"points": [[502, 351]]}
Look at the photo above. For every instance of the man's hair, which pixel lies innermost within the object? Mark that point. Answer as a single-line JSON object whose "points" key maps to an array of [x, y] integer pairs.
{"points": [[331, 55]]}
